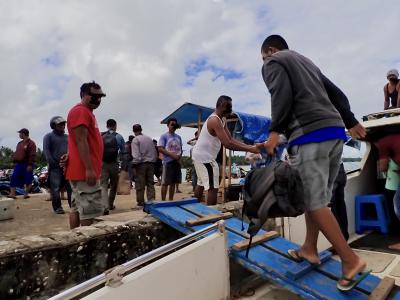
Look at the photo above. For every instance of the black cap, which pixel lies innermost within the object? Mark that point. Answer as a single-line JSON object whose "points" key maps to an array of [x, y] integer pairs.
{"points": [[24, 131]]}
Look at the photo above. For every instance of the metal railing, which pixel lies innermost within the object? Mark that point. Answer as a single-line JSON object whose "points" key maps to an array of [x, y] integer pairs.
{"points": [[113, 276]]}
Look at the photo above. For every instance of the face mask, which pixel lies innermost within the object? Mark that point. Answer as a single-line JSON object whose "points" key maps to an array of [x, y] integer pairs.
{"points": [[95, 102], [228, 109], [393, 80], [95, 99]]}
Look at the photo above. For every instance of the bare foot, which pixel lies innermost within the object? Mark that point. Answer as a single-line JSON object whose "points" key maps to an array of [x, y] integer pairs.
{"points": [[395, 246], [311, 257], [350, 271]]}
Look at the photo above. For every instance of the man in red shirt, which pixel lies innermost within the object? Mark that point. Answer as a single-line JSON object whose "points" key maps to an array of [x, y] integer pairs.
{"points": [[389, 149], [24, 157], [85, 152]]}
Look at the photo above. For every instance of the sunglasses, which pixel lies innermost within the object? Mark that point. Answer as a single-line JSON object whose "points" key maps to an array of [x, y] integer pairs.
{"points": [[96, 96]]}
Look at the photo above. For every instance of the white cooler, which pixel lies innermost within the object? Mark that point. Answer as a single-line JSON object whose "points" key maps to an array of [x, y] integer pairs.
{"points": [[7, 208]]}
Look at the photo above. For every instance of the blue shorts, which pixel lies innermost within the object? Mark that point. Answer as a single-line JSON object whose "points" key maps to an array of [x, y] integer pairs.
{"points": [[20, 176]]}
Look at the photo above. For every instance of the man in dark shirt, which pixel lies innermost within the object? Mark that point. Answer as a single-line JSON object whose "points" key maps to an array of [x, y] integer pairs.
{"points": [[312, 112], [24, 159], [55, 145]]}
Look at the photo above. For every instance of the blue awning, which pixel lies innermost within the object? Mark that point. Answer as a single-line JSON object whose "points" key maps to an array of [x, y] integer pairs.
{"points": [[248, 127]]}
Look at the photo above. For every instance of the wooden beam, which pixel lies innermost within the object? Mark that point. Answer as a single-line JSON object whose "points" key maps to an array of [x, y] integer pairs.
{"points": [[382, 291], [209, 219], [223, 172], [258, 239], [230, 168]]}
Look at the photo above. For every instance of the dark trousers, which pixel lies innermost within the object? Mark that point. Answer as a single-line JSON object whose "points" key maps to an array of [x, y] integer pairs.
{"points": [[144, 179], [394, 223], [109, 175], [338, 206], [57, 182]]}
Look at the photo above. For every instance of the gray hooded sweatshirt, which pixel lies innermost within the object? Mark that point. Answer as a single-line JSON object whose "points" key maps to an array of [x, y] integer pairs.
{"points": [[302, 98]]}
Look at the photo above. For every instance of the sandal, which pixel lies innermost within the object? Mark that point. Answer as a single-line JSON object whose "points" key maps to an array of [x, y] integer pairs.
{"points": [[294, 254], [352, 281]]}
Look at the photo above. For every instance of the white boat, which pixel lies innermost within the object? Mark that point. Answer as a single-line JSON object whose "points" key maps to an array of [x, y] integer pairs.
{"points": [[361, 181], [200, 270]]}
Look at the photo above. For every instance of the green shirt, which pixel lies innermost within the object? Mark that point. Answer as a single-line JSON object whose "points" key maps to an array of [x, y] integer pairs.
{"points": [[392, 178]]}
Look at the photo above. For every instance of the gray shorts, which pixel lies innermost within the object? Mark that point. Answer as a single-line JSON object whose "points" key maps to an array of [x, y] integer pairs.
{"points": [[318, 165], [86, 200]]}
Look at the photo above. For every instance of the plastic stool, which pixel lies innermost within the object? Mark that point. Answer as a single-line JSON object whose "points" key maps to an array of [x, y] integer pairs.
{"points": [[365, 222]]}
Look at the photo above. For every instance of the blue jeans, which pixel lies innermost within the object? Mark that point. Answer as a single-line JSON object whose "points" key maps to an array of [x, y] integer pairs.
{"points": [[57, 181], [396, 203]]}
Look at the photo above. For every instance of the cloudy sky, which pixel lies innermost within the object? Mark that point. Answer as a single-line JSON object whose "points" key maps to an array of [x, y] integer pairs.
{"points": [[152, 56]]}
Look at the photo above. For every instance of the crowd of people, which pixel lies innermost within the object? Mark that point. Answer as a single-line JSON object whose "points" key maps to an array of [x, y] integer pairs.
{"points": [[306, 107]]}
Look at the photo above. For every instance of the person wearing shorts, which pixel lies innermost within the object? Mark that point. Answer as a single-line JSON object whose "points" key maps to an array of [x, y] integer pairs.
{"points": [[24, 158], [170, 145], [312, 112], [208, 145], [85, 154]]}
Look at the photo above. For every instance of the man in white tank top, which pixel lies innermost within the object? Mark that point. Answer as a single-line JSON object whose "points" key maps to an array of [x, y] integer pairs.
{"points": [[213, 134]]}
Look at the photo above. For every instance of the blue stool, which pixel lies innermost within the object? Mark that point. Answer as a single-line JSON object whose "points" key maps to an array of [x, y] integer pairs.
{"points": [[378, 219]]}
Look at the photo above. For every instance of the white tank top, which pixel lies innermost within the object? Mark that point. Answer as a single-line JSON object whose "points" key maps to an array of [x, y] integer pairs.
{"points": [[207, 145]]}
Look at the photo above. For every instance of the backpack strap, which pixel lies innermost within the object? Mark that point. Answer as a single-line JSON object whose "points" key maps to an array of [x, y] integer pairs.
{"points": [[248, 246], [243, 209]]}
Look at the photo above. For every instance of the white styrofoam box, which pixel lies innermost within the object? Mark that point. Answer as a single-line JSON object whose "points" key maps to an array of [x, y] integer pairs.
{"points": [[7, 208]]}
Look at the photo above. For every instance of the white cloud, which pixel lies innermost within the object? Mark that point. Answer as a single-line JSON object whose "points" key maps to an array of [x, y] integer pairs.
{"points": [[138, 51]]}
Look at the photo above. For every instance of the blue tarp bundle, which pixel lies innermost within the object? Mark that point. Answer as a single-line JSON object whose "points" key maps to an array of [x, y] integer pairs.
{"points": [[250, 128]]}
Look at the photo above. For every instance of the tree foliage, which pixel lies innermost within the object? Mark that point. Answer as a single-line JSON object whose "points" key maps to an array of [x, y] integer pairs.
{"points": [[7, 155]]}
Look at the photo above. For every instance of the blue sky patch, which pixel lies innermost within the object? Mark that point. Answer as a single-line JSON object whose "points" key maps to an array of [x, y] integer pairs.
{"points": [[195, 67], [54, 59]]}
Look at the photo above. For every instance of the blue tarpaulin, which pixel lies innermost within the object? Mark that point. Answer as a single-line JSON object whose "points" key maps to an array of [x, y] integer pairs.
{"points": [[249, 128]]}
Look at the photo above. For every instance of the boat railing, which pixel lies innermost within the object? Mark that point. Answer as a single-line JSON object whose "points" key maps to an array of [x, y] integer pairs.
{"points": [[113, 276]]}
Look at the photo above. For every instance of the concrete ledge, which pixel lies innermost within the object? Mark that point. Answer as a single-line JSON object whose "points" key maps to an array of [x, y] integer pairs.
{"points": [[41, 266]]}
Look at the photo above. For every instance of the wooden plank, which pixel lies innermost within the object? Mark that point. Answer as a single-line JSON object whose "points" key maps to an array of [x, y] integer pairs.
{"points": [[271, 265], [333, 269], [312, 285], [209, 219], [170, 203], [382, 291], [258, 239], [279, 245]]}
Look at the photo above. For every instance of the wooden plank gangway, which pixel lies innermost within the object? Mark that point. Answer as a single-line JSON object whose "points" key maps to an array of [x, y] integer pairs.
{"points": [[269, 258]]}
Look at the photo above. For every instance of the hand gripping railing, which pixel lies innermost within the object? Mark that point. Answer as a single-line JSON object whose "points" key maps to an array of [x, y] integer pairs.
{"points": [[112, 277]]}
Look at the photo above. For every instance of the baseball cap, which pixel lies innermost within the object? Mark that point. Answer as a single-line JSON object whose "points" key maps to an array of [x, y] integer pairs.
{"points": [[59, 120], [24, 131], [392, 72]]}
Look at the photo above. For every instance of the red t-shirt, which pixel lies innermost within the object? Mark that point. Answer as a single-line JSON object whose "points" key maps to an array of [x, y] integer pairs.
{"points": [[82, 115], [389, 147]]}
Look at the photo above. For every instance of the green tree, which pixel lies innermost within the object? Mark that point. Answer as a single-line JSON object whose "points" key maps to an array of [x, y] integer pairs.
{"points": [[6, 157]]}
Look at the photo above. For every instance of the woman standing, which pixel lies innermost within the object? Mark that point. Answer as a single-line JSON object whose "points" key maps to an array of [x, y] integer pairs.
{"points": [[391, 90]]}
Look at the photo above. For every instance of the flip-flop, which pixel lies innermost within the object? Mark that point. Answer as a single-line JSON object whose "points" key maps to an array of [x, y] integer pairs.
{"points": [[294, 254], [352, 282]]}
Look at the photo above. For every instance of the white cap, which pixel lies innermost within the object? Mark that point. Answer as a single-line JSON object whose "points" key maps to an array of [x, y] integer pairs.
{"points": [[393, 72]]}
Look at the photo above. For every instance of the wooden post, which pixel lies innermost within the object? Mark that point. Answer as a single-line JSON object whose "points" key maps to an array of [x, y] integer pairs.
{"points": [[199, 121], [229, 168], [223, 172]]}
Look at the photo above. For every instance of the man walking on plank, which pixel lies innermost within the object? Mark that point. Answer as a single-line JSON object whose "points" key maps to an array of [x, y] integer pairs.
{"points": [[310, 110]]}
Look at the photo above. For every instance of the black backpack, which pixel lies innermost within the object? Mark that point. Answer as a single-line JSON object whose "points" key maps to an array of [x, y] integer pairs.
{"points": [[271, 192], [110, 143]]}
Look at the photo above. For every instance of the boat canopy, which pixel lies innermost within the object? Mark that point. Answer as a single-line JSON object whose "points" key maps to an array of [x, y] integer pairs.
{"points": [[246, 127]]}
